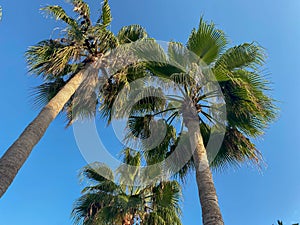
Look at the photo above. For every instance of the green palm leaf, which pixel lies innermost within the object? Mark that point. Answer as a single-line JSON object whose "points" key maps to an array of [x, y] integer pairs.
{"points": [[51, 58], [105, 202], [59, 14], [106, 17], [131, 33], [207, 41], [45, 92], [247, 55], [81, 8]]}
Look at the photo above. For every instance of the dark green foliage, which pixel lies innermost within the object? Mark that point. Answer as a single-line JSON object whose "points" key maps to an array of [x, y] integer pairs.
{"points": [[104, 202]]}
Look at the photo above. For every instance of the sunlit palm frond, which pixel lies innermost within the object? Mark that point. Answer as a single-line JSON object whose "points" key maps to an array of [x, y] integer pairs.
{"points": [[132, 33], [50, 58], [105, 18], [248, 55], [104, 40], [130, 158], [82, 9], [59, 14], [207, 41]]}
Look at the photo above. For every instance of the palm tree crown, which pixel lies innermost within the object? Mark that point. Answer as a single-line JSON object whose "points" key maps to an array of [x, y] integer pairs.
{"points": [[79, 44], [105, 202], [249, 110]]}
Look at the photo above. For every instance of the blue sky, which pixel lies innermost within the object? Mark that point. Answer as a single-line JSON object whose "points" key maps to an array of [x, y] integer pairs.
{"points": [[47, 185]]}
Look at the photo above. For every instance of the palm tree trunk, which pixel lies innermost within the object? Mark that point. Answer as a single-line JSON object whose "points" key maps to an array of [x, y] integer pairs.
{"points": [[19, 151], [211, 214]]}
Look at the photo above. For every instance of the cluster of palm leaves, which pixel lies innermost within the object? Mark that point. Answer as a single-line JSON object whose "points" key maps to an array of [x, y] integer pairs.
{"points": [[106, 202], [79, 59]]}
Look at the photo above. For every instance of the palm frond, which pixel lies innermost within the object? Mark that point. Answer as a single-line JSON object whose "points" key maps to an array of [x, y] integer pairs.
{"points": [[82, 9], [108, 203], [43, 93], [131, 33], [248, 106], [105, 18], [148, 50], [247, 55], [163, 149], [236, 148], [180, 56], [168, 194], [94, 171], [104, 40], [84, 103], [50, 58], [59, 14], [207, 41]]}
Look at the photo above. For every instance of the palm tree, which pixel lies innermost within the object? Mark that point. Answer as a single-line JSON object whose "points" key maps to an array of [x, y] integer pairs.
{"points": [[105, 202], [67, 64], [249, 109], [243, 88], [281, 223]]}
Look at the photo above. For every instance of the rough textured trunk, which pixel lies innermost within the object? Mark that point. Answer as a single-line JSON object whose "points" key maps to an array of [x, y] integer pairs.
{"points": [[19, 151], [211, 214]]}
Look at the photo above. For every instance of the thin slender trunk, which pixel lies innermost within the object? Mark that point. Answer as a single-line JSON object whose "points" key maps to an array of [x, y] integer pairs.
{"points": [[19, 151], [211, 214]]}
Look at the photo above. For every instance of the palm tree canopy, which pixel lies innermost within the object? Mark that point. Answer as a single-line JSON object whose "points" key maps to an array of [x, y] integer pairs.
{"points": [[105, 202], [244, 88], [80, 43]]}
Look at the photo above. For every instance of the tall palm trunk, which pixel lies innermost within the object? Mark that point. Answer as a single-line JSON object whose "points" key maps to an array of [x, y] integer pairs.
{"points": [[211, 214], [19, 151]]}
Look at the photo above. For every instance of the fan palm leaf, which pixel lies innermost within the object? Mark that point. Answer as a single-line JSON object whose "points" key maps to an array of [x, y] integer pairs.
{"points": [[207, 41]]}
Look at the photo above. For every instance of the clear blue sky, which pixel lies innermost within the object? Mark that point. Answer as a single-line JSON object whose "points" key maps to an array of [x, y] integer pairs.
{"points": [[47, 185]]}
